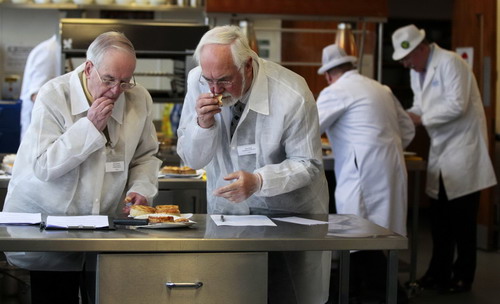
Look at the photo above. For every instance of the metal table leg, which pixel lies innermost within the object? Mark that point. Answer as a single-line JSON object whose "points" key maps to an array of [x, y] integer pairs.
{"points": [[412, 285], [344, 277], [392, 278]]}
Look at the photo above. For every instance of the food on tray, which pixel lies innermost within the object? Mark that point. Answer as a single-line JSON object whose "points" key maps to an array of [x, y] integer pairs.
{"points": [[177, 170], [152, 219], [181, 220], [136, 210], [168, 209]]}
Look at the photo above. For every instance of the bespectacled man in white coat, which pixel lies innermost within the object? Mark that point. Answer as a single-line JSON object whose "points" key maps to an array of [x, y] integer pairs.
{"points": [[271, 163], [89, 147]]}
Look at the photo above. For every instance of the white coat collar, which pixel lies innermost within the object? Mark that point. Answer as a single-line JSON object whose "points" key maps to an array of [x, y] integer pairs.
{"points": [[259, 97], [79, 103], [433, 63]]}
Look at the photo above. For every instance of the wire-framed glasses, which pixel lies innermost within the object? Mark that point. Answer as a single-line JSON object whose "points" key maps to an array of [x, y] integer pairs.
{"points": [[215, 82], [111, 83]]}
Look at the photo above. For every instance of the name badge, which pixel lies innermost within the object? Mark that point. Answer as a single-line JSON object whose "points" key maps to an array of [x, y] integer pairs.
{"points": [[117, 166], [247, 150]]}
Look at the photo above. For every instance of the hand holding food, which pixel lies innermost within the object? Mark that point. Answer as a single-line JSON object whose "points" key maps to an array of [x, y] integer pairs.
{"points": [[206, 108], [133, 199], [100, 111]]}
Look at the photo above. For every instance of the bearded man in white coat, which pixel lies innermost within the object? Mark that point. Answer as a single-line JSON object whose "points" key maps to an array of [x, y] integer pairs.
{"points": [[367, 128], [268, 162], [90, 146], [448, 104]]}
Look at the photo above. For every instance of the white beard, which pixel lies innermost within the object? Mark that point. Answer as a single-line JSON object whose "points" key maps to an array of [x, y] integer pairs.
{"points": [[230, 100]]}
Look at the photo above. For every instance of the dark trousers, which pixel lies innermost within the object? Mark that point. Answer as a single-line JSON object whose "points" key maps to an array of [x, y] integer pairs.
{"points": [[453, 228], [57, 287]]}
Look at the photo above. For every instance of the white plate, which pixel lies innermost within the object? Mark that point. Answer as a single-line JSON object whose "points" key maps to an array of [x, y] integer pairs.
{"points": [[167, 225], [146, 216], [408, 153]]}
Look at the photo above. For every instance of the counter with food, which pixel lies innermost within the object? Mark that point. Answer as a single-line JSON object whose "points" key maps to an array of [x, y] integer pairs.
{"points": [[189, 262], [185, 189]]}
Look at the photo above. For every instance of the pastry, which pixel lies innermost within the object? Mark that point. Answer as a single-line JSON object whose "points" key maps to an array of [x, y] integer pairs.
{"points": [[168, 209], [152, 219], [170, 170], [136, 210], [187, 170], [219, 99]]}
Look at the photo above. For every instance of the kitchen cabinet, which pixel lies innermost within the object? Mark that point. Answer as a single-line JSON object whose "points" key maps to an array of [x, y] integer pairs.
{"points": [[182, 278]]}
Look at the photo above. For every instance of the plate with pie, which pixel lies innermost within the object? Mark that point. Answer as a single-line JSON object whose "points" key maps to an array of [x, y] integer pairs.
{"points": [[162, 221], [180, 172]]}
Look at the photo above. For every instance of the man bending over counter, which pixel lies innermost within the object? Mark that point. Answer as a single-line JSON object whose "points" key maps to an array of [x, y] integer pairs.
{"points": [[253, 125], [91, 145]]}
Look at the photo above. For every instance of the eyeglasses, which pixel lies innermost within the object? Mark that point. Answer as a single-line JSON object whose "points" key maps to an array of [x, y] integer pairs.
{"points": [[111, 83], [215, 82], [218, 82]]}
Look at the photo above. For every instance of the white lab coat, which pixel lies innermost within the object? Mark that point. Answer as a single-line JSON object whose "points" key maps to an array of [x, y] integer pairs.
{"points": [[43, 64], [60, 168], [367, 128], [452, 113], [279, 129]]}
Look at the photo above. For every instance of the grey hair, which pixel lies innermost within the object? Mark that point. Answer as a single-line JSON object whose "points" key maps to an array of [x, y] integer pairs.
{"points": [[228, 35], [107, 41]]}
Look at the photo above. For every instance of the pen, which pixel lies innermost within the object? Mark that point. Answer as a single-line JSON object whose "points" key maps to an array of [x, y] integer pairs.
{"points": [[222, 218], [42, 226]]}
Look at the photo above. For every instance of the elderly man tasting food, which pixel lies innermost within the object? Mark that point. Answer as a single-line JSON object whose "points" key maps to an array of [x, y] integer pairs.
{"points": [[90, 146], [261, 149]]}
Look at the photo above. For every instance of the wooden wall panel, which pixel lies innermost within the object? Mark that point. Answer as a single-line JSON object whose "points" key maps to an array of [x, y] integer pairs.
{"points": [[474, 24], [372, 8], [308, 47]]}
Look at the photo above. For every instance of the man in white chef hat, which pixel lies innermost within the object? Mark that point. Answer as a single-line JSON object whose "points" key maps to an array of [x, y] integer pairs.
{"points": [[448, 104], [367, 128]]}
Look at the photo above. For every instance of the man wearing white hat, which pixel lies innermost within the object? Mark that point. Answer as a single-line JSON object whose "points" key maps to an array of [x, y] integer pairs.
{"points": [[448, 104], [367, 128]]}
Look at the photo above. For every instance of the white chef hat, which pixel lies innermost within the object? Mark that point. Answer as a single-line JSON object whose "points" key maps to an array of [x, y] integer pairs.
{"points": [[333, 56], [405, 40]]}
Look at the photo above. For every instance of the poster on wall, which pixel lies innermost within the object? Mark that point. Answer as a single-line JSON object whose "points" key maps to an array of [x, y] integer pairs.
{"points": [[467, 53], [15, 58]]}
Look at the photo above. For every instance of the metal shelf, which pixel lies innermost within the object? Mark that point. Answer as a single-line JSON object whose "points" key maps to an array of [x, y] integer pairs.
{"points": [[129, 7]]}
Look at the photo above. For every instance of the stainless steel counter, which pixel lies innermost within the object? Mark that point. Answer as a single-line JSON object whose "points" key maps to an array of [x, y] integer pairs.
{"points": [[344, 233], [207, 237]]}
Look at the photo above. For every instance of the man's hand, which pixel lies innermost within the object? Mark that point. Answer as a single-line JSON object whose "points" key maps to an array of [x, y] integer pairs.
{"points": [[245, 185], [100, 111], [133, 198], [417, 120], [207, 106]]}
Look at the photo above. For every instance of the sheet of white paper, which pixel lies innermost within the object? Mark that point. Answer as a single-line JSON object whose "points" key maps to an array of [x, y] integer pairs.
{"points": [[20, 218], [299, 220], [242, 220], [82, 221]]}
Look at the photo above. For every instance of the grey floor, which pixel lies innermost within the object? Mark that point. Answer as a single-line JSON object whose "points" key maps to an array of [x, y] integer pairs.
{"points": [[486, 287]]}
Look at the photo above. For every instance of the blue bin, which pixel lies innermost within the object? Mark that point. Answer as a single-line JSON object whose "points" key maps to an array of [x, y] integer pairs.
{"points": [[10, 126]]}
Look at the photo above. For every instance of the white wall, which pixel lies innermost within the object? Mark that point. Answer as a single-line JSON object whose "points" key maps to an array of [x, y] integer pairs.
{"points": [[23, 28]]}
